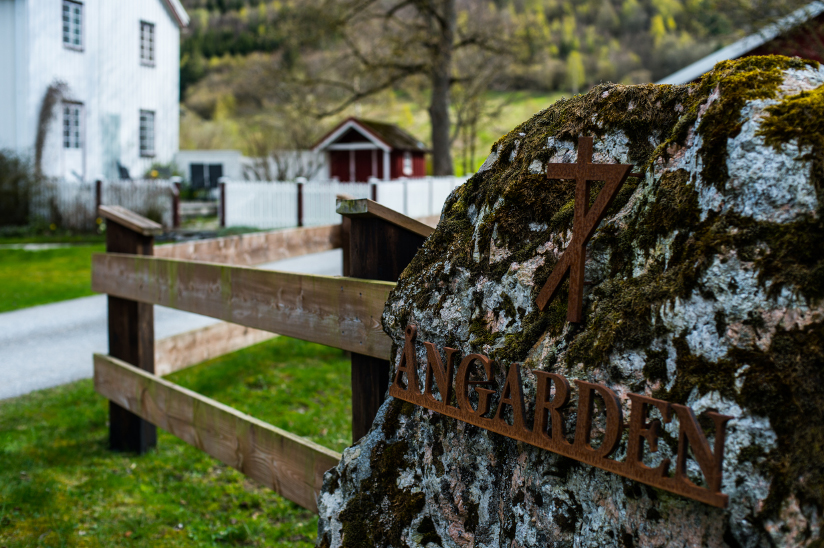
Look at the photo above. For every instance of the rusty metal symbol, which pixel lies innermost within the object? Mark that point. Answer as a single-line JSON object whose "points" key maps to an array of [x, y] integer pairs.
{"points": [[546, 430], [586, 220]]}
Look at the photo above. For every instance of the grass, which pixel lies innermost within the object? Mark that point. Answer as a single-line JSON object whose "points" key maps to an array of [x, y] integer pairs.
{"points": [[29, 278], [52, 238], [60, 486]]}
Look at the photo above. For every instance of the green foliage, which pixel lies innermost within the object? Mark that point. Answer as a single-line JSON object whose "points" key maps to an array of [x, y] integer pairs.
{"points": [[61, 486], [29, 278], [613, 38], [18, 182]]}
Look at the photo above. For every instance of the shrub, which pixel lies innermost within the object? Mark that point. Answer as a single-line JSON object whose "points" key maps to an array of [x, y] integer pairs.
{"points": [[18, 184]]}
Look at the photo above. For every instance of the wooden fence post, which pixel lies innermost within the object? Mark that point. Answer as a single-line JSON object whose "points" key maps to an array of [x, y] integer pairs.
{"points": [[300, 203], [98, 194], [131, 326], [222, 204], [382, 242], [176, 184]]}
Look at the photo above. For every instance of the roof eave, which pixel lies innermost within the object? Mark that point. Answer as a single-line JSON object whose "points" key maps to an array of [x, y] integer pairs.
{"points": [[178, 13], [745, 45]]}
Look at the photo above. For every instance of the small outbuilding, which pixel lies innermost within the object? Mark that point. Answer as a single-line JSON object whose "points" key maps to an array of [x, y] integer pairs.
{"points": [[359, 150]]}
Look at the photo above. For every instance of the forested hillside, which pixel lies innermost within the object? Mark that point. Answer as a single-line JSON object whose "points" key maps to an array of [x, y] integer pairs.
{"points": [[310, 59]]}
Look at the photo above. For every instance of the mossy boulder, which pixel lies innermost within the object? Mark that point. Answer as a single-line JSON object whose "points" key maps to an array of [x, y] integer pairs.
{"points": [[706, 285]]}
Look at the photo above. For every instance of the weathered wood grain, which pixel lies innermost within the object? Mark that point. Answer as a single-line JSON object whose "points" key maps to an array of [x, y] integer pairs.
{"points": [[131, 337], [291, 465], [198, 345], [371, 209], [256, 248], [339, 312], [131, 220], [381, 246]]}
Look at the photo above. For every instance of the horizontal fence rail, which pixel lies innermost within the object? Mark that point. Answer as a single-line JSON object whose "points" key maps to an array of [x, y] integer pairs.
{"points": [[339, 312], [257, 247], [291, 465]]}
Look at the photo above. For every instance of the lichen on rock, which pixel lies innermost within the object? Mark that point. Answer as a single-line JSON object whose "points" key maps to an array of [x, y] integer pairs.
{"points": [[707, 280]]}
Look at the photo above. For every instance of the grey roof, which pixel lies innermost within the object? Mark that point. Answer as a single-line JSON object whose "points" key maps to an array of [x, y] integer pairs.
{"points": [[745, 45]]}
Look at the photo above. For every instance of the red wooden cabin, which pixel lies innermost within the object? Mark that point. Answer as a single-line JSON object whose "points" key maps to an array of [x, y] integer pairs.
{"points": [[358, 150]]}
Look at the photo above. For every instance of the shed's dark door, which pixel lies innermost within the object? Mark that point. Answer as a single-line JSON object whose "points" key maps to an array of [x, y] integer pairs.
{"points": [[215, 173], [197, 175]]}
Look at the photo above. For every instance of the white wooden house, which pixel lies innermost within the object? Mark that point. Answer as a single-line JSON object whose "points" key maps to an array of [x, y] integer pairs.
{"points": [[113, 68]]}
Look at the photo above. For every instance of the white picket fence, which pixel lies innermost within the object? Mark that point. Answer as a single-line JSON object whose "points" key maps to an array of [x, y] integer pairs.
{"points": [[73, 204], [284, 204]]}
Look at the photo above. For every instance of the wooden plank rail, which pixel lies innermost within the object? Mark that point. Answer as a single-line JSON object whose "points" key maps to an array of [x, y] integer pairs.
{"points": [[198, 345], [291, 465], [257, 247], [339, 312]]}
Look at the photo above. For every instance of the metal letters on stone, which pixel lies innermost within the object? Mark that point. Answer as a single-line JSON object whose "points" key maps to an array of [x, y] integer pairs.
{"points": [[586, 220], [546, 429]]}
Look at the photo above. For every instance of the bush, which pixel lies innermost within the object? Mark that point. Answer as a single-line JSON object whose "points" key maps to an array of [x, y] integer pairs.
{"points": [[18, 183]]}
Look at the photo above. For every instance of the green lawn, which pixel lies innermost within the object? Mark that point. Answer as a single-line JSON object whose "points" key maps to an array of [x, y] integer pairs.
{"points": [[29, 278], [60, 486]]}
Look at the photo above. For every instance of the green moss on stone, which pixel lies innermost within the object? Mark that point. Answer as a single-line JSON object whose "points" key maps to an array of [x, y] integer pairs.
{"points": [[799, 119], [527, 211], [380, 501]]}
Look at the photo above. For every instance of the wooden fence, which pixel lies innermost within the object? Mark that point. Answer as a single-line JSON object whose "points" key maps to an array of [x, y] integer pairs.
{"points": [[341, 312], [281, 204], [73, 204]]}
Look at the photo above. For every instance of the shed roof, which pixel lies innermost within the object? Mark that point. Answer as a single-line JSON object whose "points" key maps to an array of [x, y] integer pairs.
{"points": [[745, 45], [388, 135]]}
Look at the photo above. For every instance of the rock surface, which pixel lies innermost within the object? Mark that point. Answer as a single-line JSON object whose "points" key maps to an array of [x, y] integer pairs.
{"points": [[707, 283]]}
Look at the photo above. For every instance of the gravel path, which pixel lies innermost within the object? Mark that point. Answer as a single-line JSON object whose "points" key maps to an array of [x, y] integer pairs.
{"points": [[52, 344]]}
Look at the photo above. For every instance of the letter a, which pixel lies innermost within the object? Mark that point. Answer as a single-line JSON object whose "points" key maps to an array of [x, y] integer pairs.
{"points": [[408, 365]]}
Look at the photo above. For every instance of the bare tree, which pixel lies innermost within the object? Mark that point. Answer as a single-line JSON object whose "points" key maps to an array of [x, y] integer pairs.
{"points": [[279, 144], [390, 41]]}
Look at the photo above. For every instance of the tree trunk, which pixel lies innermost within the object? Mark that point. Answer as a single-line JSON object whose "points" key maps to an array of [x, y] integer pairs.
{"points": [[441, 76]]}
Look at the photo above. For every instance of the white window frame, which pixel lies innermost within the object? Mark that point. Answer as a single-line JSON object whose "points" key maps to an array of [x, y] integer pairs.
{"points": [[72, 27], [408, 166], [147, 51], [146, 137], [72, 125]]}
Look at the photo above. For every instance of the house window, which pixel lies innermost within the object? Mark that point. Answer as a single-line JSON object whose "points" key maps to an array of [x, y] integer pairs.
{"points": [[72, 125], [147, 45], [407, 163], [147, 132], [72, 24]]}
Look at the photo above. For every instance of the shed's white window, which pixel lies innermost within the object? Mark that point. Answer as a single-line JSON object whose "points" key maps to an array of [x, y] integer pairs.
{"points": [[147, 127], [72, 24], [147, 44], [72, 125], [407, 163]]}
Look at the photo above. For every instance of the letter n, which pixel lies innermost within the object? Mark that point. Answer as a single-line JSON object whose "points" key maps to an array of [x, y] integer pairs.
{"points": [[691, 435], [442, 376]]}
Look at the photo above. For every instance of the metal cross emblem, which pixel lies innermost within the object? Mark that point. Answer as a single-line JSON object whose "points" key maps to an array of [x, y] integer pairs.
{"points": [[586, 220]]}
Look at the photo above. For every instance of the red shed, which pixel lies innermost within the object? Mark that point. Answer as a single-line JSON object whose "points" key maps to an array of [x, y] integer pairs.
{"points": [[358, 150]]}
